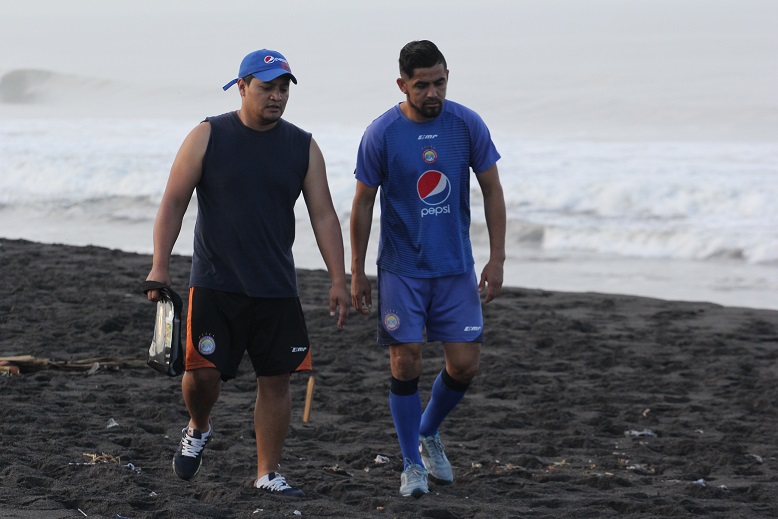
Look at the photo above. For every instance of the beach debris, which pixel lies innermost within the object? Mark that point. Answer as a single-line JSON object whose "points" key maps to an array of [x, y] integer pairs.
{"points": [[8, 369], [639, 468], [308, 399], [645, 433], [642, 469], [597, 473], [755, 457], [112, 423], [558, 464], [30, 364], [258, 511], [380, 459], [94, 459], [700, 482], [82, 512], [335, 469], [103, 458], [153, 494], [475, 465], [501, 469], [645, 412], [297, 512]]}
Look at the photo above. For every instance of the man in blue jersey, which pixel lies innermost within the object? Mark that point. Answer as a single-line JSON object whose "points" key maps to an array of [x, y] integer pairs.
{"points": [[420, 153], [249, 167]]}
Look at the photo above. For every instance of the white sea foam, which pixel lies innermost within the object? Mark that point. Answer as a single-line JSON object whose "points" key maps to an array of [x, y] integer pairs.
{"points": [[689, 201]]}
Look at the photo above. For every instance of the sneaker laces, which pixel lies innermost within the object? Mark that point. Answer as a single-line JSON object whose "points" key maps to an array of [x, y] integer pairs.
{"points": [[191, 446], [413, 468], [434, 446], [276, 484]]}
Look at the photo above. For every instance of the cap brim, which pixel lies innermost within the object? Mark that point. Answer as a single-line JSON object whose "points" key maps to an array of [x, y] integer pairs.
{"points": [[228, 85], [270, 75]]}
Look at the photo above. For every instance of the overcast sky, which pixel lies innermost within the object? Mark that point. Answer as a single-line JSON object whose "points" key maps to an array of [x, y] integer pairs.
{"points": [[538, 62]]}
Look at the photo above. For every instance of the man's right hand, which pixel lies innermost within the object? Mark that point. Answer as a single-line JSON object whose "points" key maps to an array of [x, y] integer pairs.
{"points": [[160, 277], [360, 293]]}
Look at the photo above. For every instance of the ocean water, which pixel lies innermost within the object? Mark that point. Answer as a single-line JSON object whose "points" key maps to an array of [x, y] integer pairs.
{"points": [[640, 150], [671, 220]]}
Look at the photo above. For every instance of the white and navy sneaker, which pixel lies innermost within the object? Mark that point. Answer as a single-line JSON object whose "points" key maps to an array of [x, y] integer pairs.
{"points": [[189, 455], [275, 483]]}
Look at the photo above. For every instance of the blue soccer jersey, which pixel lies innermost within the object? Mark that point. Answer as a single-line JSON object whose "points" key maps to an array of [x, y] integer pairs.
{"points": [[423, 170]]}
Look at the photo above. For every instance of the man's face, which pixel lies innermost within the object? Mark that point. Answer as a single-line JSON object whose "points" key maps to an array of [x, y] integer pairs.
{"points": [[264, 102], [425, 92]]}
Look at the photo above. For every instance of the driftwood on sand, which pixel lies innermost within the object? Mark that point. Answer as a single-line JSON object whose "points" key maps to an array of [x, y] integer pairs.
{"points": [[20, 364]]}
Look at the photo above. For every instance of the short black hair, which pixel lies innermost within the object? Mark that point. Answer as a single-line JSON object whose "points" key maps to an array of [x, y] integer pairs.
{"points": [[420, 54]]}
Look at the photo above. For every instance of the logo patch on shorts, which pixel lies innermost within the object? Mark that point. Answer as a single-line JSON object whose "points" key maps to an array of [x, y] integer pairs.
{"points": [[391, 321], [207, 345]]}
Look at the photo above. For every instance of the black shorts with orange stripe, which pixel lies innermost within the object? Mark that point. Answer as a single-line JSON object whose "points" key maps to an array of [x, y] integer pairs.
{"points": [[222, 326]]}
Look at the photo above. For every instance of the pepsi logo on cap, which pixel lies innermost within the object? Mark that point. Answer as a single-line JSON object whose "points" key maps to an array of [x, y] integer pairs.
{"points": [[433, 187], [272, 59]]}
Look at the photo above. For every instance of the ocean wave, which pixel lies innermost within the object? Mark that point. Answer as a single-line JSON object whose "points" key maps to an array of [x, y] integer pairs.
{"points": [[705, 202], [34, 86], [47, 93], [668, 243]]}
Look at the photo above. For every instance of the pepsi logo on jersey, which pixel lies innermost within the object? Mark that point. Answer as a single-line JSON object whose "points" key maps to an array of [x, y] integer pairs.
{"points": [[434, 188]]}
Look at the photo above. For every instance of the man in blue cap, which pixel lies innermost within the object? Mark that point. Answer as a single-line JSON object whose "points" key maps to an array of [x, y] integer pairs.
{"points": [[249, 167]]}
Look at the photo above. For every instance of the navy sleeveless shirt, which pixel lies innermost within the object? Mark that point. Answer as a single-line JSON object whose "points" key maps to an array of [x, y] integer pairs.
{"points": [[245, 208]]}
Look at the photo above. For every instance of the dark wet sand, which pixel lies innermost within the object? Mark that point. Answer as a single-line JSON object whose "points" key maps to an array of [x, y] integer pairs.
{"points": [[587, 406]]}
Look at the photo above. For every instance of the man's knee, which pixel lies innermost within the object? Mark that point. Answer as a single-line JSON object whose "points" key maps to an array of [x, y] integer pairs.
{"points": [[463, 362], [203, 379], [464, 373], [405, 361], [277, 385]]}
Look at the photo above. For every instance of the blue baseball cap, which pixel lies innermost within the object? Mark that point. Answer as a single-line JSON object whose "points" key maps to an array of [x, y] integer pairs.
{"points": [[265, 65]]}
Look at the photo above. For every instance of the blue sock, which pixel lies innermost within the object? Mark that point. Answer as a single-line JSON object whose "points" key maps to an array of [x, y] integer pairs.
{"points": [[446, 394], [405, 404]]}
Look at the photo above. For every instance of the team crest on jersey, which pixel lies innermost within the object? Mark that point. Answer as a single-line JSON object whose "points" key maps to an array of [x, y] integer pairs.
{"points": [[391, 321], [429, 155], [207, 345]]}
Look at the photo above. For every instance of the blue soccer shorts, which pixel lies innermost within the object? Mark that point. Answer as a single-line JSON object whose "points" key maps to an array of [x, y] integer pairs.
{"points": [[446, 309]]}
